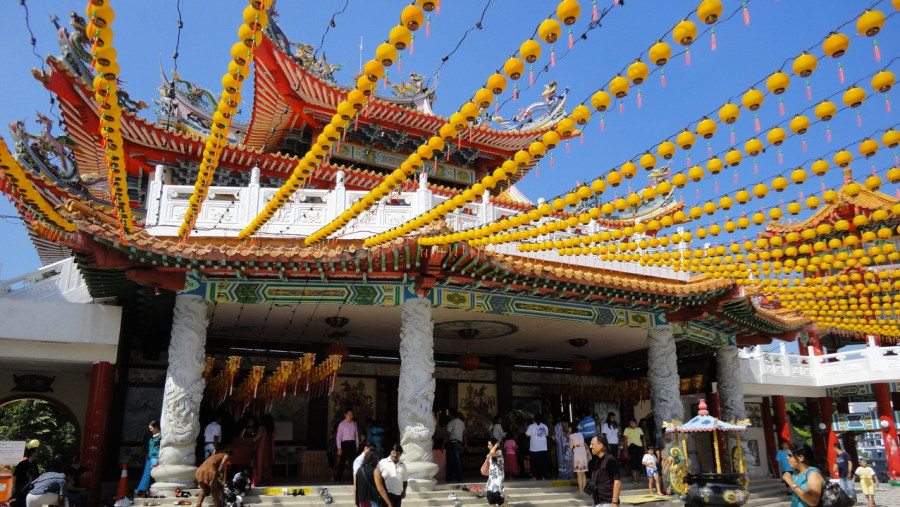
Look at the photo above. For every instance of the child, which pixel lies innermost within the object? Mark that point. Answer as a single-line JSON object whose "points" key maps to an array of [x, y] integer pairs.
{"points": [[511, 463], [241, 481], [868, 480], [649, 461]]}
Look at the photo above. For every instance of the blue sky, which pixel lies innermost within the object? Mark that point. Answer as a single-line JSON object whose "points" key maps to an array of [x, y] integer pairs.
{"points": [[145, 34]]}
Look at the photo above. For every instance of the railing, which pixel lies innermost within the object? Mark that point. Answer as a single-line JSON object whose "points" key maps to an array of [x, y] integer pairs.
{"points": [[228, 210], [60, 281], [865, 365]]}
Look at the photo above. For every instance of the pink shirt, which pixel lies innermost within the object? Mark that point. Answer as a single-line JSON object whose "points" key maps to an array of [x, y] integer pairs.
{"points": [[347, 431], [510, 446]]}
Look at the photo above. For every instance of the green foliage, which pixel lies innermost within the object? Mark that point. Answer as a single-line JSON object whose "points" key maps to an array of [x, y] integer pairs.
{"points": [[38, 419]]}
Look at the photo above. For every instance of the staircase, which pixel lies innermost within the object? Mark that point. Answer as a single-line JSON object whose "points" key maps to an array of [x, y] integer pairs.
{"points": [[764, 492]]}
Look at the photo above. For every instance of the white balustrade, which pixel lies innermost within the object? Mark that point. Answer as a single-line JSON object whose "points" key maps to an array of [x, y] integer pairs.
{"points": [[60, 281], [860, 366]]}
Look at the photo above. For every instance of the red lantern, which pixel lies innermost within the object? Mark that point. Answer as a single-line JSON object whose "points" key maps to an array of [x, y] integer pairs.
{"points": [[336, 349], [468, 362], [581, 368]]}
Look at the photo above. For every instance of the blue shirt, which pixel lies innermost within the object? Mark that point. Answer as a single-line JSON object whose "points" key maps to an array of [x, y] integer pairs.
{"points": [[782, 458], [800, 480], [588, 428], [842, 461], [50, 482]]}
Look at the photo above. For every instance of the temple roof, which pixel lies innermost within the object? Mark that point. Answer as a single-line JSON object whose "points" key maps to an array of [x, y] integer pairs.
{"points": [[845, 208]]}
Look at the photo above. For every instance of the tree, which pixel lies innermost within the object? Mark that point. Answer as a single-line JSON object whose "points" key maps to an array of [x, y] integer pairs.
{"points": [[37, 419]]}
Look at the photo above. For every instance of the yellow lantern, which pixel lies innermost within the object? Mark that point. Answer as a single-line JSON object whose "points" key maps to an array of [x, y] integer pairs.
{"points": [[685, 139], [854, 96], [729, 113], [798, 176], [637, 72], [835, 45], [883, 81], [600, 101], [496, 83], [870, 23], [568, 11], [400, 37], [776, 136], [709, 11], [614, 178], [684, 32], [819, 167], [733, 158], [666, 149], [843, 158], [549, 30], [706, 128], [752, 99], [537, 150], [550, 139], [714, 165], [647, 161], [565, 127], [530, 50], [484, 98], [799, 124], [868, 148], [778, 83], [680, 180], [753, 147], [581, 114], [514, 68], [386, 54], [873, 183], [696, 173], [760, 190], [825, 110], [412, 17], [618, 86], [805, 64], [660, 53], [628, 170], [726, 203]]}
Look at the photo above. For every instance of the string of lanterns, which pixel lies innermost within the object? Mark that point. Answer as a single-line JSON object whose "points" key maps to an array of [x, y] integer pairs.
{"points": [[100, 18], [16, 184], [255, 20]]}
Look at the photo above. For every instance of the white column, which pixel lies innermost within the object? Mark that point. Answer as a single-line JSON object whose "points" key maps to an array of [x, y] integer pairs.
{"points": [[337, 199], [155, 195], [251, 197], [179, 422], [416, 392], [665, 384], [729, 386]]}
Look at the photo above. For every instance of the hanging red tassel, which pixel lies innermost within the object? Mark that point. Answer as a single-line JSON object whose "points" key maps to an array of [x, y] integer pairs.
{"points": [[732, 136], [716, 184], [828, 133], [552, 57], [621, 107], [898, 193], [496, 108], [459, 142], [662, 78], [602, 124], [688, 161], [567, 146], [428, 26], [571, 41], [808, 91], [515, 93], [709, 150], [713, 39], [801, 196], [756, 121], [803, 143], [698, 191], [877, 52], [780, 106], [437, 7], [355, 123], [384, 86], [551, 160], [887, 104], [858, 119], [841, 71], [344, 135], [780, 157], [687, 57], [537, 171], [746, 15], [581, 137], [531, 75], [594, 12], [639, 97], [755, 166], [735, 177]]}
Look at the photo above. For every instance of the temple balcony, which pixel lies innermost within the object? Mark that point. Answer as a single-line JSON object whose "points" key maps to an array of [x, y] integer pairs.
{"points": [[766, 373], [227, 210], [60, 281]]}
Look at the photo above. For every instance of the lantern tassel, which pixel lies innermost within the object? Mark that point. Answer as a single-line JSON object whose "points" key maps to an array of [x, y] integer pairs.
{"points": [[515, 93], [858, 119], [756, 121], [755, 166], [567, 149], [428, 26], [780, 157], [662, 78], [732, 135], [581, 137], [537, 171], [639, 98], [709, 150], [746, 15], [688, 161], [808, 91], [803, 143], [552, 57], [841, 71], [716, 185], [828, 133], [412, 44], [780, 106], [437, 7], [551, 160], [531, 75], [887, 104], [621, 107], [572, 41], [687, 57], [496, 108], [602, 124], [877, 52], [594, 12], [400, 63], [735, 177], [713, 39]]}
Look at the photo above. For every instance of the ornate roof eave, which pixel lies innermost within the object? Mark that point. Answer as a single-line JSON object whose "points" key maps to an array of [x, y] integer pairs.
{"points": [[866, 199], [278, 79]]}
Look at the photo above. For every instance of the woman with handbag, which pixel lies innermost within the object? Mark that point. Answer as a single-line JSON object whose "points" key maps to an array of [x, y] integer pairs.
{"points": [[493, 463], [806, 482], [368, 485]]}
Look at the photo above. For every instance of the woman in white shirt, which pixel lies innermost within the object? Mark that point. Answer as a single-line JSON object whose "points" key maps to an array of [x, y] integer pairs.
{"points": [[610, 429]]}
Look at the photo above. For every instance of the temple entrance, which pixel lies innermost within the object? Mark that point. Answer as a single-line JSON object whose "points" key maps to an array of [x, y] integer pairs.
{"points": [[49, 422]]}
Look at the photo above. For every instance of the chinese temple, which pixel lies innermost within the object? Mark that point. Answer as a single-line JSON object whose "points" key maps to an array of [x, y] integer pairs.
{"points": [[346, 246]]}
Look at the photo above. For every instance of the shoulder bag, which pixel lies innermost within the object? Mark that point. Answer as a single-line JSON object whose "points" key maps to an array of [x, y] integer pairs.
{"points": [[486, 466], [834, 496]]}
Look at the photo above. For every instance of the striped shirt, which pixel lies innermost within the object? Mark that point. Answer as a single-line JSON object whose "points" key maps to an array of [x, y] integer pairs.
{"points": [[50, 482]]}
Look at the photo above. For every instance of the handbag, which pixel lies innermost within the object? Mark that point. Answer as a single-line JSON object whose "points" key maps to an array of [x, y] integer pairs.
{"points": [[833, 495], [591, 486], [486, 467]]}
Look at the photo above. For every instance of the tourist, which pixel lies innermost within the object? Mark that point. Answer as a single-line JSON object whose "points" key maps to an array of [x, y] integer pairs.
{"points": [[152, 455], [374, 434], [25, 472], [493, 489], [347, 440], [806, 481], [634, 442], [511, 460], [366, 447], [579, 458], [77, 493], [368, 484], [49, 488], [394, 475], [867, 479], [456, 438], [265, 452], [843, 468], [650, 461], [497, 432], [784, 466], [587, 427], [610, 430], [212, 436], [537, 446], [604, 474], [210, 477], [644, 426]]}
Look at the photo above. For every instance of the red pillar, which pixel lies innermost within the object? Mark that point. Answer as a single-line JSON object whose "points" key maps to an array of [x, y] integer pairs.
{"points": [[818, 435], [848, 438], [827, 408], [781, 418], [715, 410], [103, 375], [770, 437], [815, 342], [886, 413]]}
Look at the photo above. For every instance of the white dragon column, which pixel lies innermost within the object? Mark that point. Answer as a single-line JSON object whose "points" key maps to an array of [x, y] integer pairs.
{"points": [[665, 384], [416, 392], [179, 421], [729, 386]]}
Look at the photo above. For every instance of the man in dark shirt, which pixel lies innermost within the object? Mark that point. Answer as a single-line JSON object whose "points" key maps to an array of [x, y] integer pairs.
{"points": [[604, 474], [25, 472], [843, 467]]}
